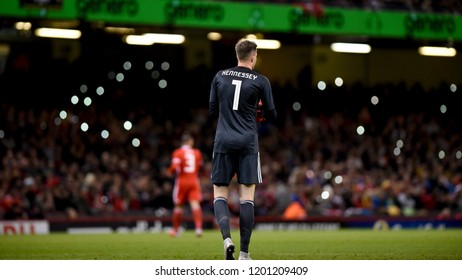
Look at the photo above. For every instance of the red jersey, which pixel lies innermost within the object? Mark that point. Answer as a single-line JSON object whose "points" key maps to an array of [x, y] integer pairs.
{"points": [[186, 164]]}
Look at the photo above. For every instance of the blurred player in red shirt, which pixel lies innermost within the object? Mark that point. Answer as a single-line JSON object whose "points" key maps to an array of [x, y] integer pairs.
{"points": [[186, 164]]}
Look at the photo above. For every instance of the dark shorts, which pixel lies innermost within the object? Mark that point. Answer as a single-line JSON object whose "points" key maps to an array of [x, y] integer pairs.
{"points": [[226, 165]]}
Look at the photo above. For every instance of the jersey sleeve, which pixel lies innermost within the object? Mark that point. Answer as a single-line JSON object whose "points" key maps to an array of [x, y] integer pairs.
{"points": [[269, 108], [213, 100], [175, 162]]}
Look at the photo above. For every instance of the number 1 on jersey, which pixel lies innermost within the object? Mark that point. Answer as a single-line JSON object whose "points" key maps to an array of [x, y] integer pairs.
{"points": [[237, 92]]}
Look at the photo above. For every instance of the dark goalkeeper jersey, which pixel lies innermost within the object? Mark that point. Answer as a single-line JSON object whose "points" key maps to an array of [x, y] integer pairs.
{"points": [[234, 96]]}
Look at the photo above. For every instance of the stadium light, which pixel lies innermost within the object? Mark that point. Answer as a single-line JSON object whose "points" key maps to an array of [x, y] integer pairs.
{"points": [[138, 40], [350, 48], [437, 51], [165, 38], [214, 36], [266, 44], [23, 25], [58, 33], [152, 38], [119, 30]]}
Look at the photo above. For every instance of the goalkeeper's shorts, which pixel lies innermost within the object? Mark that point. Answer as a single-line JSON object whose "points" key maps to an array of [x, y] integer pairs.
{"points": [[246, 168]]}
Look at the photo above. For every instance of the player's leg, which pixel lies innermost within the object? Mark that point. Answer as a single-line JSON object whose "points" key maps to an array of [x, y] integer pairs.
{"points": [[178, 196], [222, 216], [222, 171], [197, 216], [176, 220], [221, 209], [249, 174], [246, 218], [195, 198]]}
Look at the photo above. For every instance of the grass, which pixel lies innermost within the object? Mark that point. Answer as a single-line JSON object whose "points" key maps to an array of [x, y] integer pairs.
{"points": [[265, 245]]}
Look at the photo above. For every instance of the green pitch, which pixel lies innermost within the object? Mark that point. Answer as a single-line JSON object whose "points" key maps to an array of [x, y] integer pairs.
{"points": [[265, 245]]}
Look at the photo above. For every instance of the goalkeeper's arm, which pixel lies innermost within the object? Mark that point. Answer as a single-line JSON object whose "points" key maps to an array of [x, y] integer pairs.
{"points": [[270, 115]]}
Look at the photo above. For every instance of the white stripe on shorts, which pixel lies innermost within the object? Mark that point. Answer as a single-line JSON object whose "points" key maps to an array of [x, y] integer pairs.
{"points": [[260, 179]]}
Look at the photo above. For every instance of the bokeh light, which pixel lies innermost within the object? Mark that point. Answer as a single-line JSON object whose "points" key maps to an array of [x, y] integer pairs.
{"points": [[87, 101], [443, 109], [128, 125], [149, 65], [127, 65], [136, 142], [100, 90], [83, 88], [296, 106], [63, 114], [374, 100], [74, 99], [120, 77], [105, 134], [84, 127], [162, 83], [165, 66], [155, 74]]}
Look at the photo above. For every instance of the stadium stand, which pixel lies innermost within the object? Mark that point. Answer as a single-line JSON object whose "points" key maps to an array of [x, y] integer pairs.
{"points": [[408, 163]]}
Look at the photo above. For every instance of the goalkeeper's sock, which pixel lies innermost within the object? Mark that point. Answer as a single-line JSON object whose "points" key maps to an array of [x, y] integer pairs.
{"points": [[246, 220], [220, 206]]}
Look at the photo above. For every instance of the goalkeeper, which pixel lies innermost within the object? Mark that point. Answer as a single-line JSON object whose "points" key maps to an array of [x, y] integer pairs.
{"points": [[235, 95]]}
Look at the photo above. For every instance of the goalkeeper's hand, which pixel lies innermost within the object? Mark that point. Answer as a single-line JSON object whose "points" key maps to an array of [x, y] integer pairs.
{"points": [[260, 117]]}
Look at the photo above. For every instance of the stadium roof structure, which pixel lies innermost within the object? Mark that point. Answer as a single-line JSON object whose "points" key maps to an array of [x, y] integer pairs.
{"points": [[288, 20]]}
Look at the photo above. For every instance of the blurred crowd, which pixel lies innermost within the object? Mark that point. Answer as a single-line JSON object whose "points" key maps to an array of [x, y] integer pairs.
{"points": [[355, 150]]}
